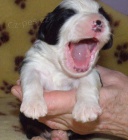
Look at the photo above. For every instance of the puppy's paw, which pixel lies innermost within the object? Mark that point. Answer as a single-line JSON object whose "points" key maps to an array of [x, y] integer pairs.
{"points": [[34, 108], [86, 111]]}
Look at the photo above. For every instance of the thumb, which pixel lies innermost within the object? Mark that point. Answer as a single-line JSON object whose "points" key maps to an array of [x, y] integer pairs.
{"points": [[106, 75], [60, 102]]}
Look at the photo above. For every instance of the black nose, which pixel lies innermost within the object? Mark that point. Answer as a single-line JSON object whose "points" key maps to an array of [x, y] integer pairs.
{"points": [[98, 22]]}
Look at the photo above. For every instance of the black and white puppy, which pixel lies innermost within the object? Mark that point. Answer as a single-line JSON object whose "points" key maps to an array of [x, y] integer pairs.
{"points": [[64, 57]]}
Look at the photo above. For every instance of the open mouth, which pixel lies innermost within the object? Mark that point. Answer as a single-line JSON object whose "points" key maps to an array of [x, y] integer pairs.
{"points": [[81, 53]]}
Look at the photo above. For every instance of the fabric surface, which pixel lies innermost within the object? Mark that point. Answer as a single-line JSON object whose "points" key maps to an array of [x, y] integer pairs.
{"points": [[19, 22]]}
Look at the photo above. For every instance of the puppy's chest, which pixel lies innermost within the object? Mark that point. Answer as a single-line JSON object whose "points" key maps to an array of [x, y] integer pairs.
{"points": [[59, 81]]}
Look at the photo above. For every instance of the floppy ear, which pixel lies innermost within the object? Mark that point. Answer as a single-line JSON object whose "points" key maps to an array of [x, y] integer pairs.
{"points": [[108, 18], [50, 27], [108, 44], [105, 14], [46, 31]]}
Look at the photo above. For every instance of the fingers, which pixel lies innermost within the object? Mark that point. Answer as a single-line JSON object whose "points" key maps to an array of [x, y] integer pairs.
{"points": [[16, 91], [111, 77], [60, 102], [57, 122], [102, 70], [56, 125], [107, 76]]}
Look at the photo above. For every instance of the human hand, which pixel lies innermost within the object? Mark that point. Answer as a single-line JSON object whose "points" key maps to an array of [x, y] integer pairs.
{"points": [[60, 105], [113, 101]]}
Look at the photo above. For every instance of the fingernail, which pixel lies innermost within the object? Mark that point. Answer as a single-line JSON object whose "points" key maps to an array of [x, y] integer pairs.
{"points": [[17, 94], [14, 92]]}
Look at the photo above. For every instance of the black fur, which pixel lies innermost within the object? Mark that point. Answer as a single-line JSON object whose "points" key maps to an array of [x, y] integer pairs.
{"points": [[34, 128], [106, 15], [108, 18], [49, 29], [109, 44]]}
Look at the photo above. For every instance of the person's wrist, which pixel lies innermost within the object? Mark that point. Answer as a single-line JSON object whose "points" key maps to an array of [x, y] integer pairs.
{"points": [[113, 119], [109, 125]]}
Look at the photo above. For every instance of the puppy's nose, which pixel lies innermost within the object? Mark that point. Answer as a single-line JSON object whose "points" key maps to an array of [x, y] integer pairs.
{"points": [[98, 22], [97, 26]]}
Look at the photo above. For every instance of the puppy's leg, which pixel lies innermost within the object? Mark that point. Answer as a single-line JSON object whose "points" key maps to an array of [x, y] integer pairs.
{"points": [[33, 104], [59, 135], [87, 107]]}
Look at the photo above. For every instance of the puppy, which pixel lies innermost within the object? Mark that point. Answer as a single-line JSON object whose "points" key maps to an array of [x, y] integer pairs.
{"points": [[63, 58]]}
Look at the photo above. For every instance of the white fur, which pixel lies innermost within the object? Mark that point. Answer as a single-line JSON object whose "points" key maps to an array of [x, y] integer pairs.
{"points": [[46, 68], [79, 5]]}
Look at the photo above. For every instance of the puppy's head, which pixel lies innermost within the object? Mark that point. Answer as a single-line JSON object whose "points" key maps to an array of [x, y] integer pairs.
{"points": [[77, 30]]}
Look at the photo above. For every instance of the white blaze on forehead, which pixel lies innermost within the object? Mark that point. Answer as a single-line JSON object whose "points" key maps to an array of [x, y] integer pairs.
{"points": [[81, 5]]}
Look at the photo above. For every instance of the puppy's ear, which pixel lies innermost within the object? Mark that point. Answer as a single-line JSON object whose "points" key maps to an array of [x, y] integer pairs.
{"points": [[108, 18], [51, 25], [108, 44], [46, 28], [105, 14]]}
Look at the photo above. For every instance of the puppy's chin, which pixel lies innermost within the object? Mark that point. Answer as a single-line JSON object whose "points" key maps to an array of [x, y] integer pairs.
{"points": [[80, 56], [75, 74]]}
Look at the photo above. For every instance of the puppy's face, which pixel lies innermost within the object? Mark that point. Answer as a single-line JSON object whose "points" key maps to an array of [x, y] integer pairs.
{"points": [[78, 30]]}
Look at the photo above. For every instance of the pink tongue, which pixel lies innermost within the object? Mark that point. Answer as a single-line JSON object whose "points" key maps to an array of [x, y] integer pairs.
{"points": [[81, 54]]}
